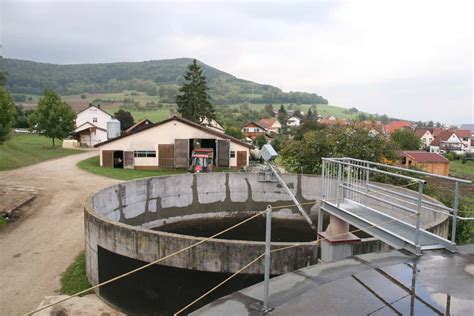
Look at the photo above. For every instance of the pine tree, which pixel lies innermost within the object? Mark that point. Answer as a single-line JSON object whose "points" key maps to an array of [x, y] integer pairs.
{"points": [[282, 115], [194, 101]]}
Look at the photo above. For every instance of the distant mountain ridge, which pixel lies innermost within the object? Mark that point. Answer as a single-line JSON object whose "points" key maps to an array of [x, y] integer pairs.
{"points": [[29, 77]]}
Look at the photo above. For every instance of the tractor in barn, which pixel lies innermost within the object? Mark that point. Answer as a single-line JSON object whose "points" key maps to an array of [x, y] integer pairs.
{"points": [[202, 160]]}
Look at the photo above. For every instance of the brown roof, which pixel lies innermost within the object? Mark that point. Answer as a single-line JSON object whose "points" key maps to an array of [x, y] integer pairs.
{"points": [[267, 122], [436, 131], [421, 131], [255, 124], [185, 121], [461, 133], [93, 125], [443, 136], [134, 126], [423, 156]]}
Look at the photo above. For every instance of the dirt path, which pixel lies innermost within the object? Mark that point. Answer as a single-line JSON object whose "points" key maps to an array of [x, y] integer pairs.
{"points": [[35, 250]]}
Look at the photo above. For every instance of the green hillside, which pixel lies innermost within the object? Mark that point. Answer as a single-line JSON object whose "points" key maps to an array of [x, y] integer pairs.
{"points": [[156, 77]]}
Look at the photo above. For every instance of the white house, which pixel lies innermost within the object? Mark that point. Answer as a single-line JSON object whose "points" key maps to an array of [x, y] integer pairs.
{"points": [[91, 126], [293, 121], [425, 136], [169, 144], [457, 141]]}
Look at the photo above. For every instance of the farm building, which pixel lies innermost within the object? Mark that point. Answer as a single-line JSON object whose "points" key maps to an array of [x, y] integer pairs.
{"points": [[169, 144], [429, 162], [91, 126]]}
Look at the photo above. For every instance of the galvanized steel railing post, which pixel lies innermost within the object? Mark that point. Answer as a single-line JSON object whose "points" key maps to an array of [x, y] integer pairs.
{"points": [[268, 237], [455, 211], [418, 214], [338, 188], [323, 188]]}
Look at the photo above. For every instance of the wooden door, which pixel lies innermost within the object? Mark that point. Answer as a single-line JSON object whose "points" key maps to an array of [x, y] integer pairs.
{"points": [[107, 158], [128, 160], [166, 155], [241, 159], [181, 153], [223, 153]]}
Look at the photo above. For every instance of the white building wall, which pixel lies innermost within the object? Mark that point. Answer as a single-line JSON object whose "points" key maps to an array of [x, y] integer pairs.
{"points": [[89, 114], [165, 134]]}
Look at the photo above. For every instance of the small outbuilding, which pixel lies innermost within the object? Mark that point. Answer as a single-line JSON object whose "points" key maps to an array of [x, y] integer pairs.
{"points": [[169, 144], [429, 162]]}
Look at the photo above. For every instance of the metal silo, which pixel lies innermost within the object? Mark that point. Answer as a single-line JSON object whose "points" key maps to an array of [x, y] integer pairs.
{"points": [[113, 128]]}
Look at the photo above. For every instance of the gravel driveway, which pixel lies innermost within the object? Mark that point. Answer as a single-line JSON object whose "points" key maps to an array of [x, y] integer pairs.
{"points": [[35, 250]]}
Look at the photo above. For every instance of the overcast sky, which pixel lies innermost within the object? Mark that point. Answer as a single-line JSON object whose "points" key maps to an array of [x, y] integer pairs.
{"points": [[407, 59]]}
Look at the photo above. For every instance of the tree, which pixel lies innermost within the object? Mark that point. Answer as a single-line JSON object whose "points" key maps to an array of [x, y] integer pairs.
{"points": [[7, 114], [384, 119], [53, 117], [194, 101], [305, 155], [125, 118], [269, 110], [282, 115], [3, 78], [406, 139], [311, 116], [362, 117], [234, 132], [260, 140]]}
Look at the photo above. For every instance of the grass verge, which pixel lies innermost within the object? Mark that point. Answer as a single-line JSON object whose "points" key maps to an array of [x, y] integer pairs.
{"points": [[92, 165], [74, 279], [24, 150]]}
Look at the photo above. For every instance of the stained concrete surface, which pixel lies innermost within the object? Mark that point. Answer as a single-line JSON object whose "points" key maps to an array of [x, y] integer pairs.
{"points": [[394, 283]]}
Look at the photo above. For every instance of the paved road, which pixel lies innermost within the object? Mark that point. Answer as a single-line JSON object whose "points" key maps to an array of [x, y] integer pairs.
{"points": [[35, 250]]}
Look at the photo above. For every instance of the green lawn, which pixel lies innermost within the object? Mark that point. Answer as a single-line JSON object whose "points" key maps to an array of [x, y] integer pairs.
{"points": [[74, 279], [25, 150], [457, 167], [92, 165]]}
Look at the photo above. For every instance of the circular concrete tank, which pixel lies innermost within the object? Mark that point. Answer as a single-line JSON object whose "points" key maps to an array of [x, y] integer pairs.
{"points": [[139, 219]]}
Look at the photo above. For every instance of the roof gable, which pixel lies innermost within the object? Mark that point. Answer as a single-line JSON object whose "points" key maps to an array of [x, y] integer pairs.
{"points": [[423, 156], [184, 121], [93, 106]]}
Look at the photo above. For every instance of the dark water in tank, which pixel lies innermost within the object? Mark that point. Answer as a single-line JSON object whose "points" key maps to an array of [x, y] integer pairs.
{"points": [[283, 230], [161, 290]]}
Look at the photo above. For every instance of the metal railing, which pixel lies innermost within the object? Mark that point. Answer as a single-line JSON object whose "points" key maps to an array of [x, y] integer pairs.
{"points": [[352, 179]]}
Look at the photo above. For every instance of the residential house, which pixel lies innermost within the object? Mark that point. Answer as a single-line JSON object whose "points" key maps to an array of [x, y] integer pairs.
{"points": [[252, 130], [429, 162], [396, 125], [470, 127], [331, 120], [425, 136], [213, 124], [169, 144], [453, 140], [271, 124], [294, 121], [91, 126]]}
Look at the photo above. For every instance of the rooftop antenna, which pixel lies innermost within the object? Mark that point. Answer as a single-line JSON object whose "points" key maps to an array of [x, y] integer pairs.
{"points": [[268, 154]]}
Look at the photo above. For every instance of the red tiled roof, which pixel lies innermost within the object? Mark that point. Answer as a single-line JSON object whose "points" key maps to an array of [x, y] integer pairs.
{"points": [[252, 123], [420, 132], [267, 123], [396, 125], [461, 133], [423, 156], [436, 131]]}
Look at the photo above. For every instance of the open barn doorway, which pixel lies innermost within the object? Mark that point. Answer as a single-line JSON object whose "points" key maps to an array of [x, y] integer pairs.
{"points": [[196, 143], [118, 159]]}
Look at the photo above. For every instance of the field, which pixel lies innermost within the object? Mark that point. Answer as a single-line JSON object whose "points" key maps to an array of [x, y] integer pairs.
{"points": [[462, 170], [24, 150], [111, 102], [92, 165]]}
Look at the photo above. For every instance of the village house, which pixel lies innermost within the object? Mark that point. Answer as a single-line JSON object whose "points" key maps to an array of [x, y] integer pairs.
{"points": [[425, 136], [429, 162], [396, 125], [252, 129], [169, 144], [270, 124], [457, 141], [91, 126], [293, 121]]}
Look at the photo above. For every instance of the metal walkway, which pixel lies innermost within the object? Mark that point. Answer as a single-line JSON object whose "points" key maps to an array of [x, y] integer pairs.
{"points": [[392, 214]]}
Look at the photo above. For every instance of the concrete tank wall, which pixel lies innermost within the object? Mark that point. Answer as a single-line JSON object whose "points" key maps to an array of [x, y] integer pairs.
{"points": [[119, 219]]}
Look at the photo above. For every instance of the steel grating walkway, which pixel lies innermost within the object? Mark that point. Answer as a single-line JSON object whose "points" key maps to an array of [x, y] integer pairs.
{"points": [[396, 233]]}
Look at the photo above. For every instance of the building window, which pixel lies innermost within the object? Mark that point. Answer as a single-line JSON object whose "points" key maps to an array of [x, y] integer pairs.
{"points": [[145, 154], [232, 154], [94, 120]]}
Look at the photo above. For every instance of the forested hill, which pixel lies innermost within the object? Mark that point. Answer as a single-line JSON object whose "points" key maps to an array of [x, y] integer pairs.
{"points": [[153, 77]]}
